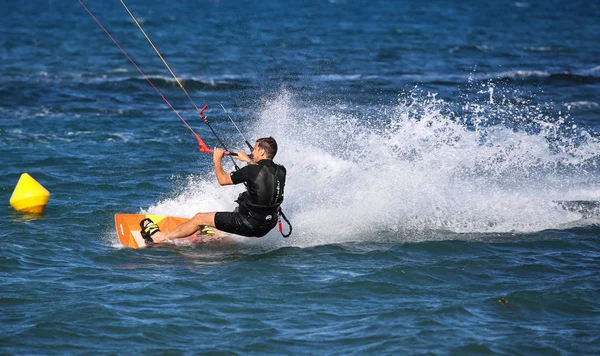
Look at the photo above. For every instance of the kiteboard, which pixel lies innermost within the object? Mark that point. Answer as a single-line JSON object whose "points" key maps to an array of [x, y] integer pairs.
{"points": [[128, 229]]}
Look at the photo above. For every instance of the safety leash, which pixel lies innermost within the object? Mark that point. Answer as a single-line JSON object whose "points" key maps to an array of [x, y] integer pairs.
{"points": [[282, 215]]}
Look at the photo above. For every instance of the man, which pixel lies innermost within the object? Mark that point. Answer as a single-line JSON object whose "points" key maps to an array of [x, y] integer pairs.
{"points": [[258, 208]]}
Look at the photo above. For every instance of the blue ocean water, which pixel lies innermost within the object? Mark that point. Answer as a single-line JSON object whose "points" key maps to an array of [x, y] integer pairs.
{"points": [[441, 156]]}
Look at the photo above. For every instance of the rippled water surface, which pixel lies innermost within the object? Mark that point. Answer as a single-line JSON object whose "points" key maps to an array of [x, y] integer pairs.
{"points": [[440, 157]]}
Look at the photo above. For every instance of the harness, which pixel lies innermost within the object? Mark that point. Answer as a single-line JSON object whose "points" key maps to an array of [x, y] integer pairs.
{"points": [[263, 212]]}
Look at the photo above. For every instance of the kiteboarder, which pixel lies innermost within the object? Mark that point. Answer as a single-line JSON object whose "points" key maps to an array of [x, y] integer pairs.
{"points": [[258, 207]]}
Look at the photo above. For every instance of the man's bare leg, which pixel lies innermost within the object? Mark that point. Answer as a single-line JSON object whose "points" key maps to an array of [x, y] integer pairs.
{"points": [[187, 228]]}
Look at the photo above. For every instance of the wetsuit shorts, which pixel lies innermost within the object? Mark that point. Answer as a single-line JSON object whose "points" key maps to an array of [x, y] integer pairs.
{"points": [[236, 223]]}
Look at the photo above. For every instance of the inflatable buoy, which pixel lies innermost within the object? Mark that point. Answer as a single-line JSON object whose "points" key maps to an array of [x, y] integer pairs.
{"points": [[29, 196]]}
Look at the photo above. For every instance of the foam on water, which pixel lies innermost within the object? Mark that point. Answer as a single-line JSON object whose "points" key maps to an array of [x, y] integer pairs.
{"points": [[421, 165], [201, 193]]}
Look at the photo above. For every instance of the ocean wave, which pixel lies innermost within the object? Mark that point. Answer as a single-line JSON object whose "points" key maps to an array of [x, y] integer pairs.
{"points": [[449, 79], [470, 48], [121, 79], [582, 77], [199, 84], [522, 76], [536, 75], [582, 105], [520, 4], [121, 75], [546, 49], [164, 82]]}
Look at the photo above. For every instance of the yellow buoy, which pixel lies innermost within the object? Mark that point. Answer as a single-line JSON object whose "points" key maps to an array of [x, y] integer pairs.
{"points": [[29, 195]]}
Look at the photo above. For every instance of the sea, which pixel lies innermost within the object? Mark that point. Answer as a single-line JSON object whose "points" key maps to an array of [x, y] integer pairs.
{"points": [[443, 176]]}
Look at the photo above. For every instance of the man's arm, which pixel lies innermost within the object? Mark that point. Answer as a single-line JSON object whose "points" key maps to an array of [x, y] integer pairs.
{"points": [[222, 177], [243, 156]]}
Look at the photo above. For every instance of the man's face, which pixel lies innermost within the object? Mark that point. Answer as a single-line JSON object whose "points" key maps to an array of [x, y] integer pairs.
{"points": [[257, 151]]}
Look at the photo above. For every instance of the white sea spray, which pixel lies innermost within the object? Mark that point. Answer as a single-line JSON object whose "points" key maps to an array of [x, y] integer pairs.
{"points": [[423, 164]]}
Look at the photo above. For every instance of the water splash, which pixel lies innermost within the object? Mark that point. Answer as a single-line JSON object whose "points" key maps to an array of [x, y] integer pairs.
{"points": [[486, 165]]}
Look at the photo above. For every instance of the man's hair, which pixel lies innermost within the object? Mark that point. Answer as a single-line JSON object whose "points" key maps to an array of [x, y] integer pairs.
{"points": [[269, 145]]}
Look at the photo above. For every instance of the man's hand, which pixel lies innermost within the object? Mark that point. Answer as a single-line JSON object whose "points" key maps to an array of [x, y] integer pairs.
{"points": [[218, 154], [242, 156]]}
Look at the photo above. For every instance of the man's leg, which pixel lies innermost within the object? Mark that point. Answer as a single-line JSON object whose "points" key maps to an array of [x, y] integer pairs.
{"points": [[187, 228]]}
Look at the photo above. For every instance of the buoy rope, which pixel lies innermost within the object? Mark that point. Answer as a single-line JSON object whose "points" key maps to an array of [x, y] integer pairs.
{"points": [[201, 143]]}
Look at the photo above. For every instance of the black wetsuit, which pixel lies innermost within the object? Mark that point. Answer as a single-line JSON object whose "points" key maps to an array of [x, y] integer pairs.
{"points": [[259, 205]]}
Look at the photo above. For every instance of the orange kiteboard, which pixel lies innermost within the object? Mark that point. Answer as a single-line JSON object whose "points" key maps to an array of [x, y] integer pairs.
{"points": [[128, 229]]}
